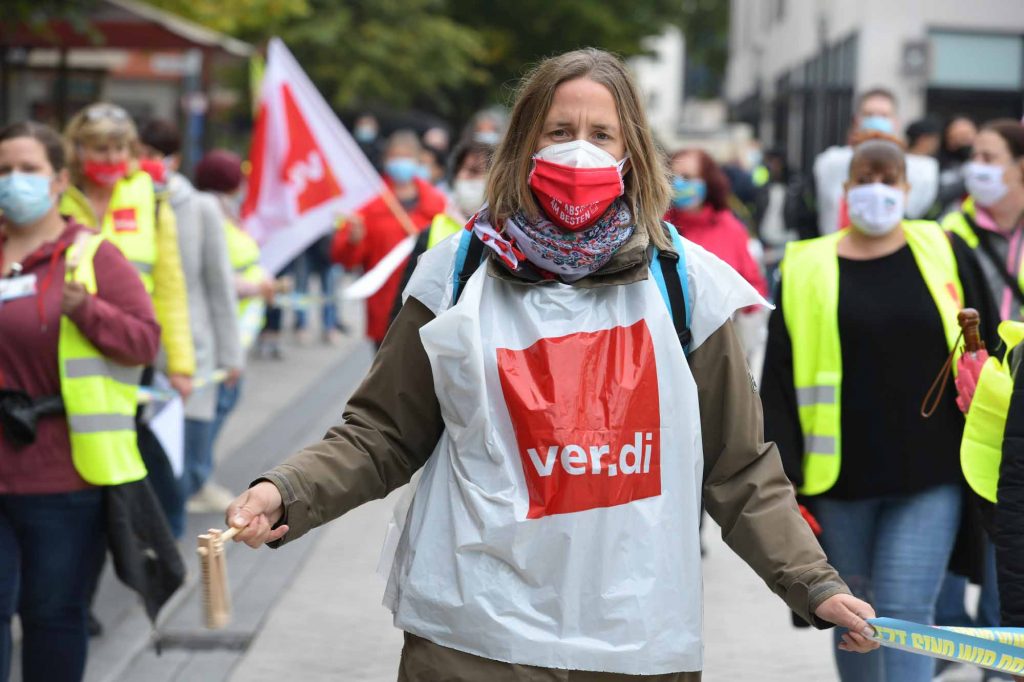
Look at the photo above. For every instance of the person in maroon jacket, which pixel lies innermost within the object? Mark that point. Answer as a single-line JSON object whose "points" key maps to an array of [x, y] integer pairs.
{"points": [[699, 211], [374, 230], [52, 536]]}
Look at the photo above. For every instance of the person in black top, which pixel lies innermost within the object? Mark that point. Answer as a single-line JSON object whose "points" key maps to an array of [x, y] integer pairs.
{"points": [[890, 517]]}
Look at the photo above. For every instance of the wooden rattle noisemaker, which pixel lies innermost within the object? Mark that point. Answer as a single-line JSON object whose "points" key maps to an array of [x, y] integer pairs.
{"points": [[216, 594], [969, 322]]}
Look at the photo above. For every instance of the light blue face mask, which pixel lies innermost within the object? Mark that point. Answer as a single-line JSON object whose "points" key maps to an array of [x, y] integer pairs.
{"points": [[688, 193], [24, 197], [402, 169], [423, 172], [880, 124]]}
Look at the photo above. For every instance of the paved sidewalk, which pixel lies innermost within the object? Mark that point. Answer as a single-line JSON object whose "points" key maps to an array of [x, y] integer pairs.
{"points": [[329, 624]]}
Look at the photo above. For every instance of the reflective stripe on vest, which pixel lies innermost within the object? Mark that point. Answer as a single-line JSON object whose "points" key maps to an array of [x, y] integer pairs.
{"points": [[981, 450], [100, 396], [810, 273], [441, 227], [130, 221]]}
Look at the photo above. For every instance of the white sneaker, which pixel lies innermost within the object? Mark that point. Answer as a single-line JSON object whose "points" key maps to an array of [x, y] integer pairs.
{"points": [[210, 498]]}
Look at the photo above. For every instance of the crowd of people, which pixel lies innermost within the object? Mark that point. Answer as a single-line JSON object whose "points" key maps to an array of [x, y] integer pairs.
{"points": [[573, 286]]}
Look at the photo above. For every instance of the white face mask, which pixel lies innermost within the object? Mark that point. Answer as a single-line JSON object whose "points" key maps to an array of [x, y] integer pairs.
{"points": [[875, 209], [985, 182], [469, 195], [578, 154]]}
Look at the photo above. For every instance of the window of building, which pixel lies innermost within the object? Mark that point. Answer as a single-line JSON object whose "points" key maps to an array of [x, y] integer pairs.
{"points": [[976, 61]]}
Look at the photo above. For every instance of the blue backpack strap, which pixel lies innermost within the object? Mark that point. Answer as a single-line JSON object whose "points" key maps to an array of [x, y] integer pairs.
{"points": [[467, 259], [671, 277]]}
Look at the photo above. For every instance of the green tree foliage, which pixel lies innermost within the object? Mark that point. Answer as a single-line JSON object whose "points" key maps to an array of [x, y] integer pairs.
{"points": [[236, 17], [520, 33], [446, 56], [386, 52]]}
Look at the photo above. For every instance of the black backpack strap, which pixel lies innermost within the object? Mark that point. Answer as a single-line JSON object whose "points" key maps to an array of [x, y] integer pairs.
{"points": [[676, 298], [474, 256]]}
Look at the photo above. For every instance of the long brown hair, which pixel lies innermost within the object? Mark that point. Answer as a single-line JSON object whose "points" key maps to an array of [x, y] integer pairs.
{"points": [[647, 188]]}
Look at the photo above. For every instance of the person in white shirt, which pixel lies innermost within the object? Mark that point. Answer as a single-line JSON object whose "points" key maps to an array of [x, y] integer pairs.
{"points": [[876, 112]]}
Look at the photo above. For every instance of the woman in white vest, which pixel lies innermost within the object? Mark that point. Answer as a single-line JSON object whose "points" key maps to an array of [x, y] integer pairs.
{"points": [[867, 318], [585, 396]]}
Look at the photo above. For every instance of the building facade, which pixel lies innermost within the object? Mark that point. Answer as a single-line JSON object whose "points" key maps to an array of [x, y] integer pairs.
{"points": [[796, 66]]}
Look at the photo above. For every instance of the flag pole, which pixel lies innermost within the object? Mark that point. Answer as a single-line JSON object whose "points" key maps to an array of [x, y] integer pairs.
{"points": [[396, 208]]}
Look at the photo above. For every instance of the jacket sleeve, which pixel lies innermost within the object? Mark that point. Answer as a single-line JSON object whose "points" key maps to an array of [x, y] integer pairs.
{"points": [[119, 319], [169, 295], [745, 488], [344, 253], [388, 430], [219, 285], [1009, 511], [778, 395]]}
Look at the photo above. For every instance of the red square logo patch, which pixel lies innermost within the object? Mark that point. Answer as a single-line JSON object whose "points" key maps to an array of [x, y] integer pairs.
{"points": [[587, 420], [124, 220]]}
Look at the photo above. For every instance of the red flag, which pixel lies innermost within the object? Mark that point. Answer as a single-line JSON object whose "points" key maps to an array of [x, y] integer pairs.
{"points": [[306, 168]]}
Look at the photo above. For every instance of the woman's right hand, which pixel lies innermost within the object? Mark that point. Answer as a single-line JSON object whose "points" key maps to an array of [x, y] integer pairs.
{"points": [[256, 511]]}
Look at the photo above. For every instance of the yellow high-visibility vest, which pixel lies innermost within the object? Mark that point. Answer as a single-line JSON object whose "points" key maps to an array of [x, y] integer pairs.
{"points": [[981, 450], [100, 395], [959, 223], [130, 221], [442, 227], [244, 254], [810, 305]]}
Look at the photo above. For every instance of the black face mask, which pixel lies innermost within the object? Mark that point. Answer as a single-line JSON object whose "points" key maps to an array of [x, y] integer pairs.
{"points": [[962, 153]]}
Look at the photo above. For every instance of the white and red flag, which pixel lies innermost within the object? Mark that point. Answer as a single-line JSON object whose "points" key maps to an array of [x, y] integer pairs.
{"points": [[306, 168]]}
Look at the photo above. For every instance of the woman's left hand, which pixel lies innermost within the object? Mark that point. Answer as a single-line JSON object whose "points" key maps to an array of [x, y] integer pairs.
{"points": [[851, 613]]}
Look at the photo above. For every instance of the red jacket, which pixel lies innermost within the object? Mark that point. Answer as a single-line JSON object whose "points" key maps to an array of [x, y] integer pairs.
{"points": [[721, 233], [383, 233], [118, 320]]}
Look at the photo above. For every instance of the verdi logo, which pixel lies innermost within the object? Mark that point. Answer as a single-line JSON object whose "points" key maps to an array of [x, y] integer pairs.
{"points": [[586, 416]]}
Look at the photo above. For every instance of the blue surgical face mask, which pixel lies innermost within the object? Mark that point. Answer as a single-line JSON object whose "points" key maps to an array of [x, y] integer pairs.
{"points": [[24, 197], [402, 169], [423, 172], [877, 123], [688, 193], [365, 134]]}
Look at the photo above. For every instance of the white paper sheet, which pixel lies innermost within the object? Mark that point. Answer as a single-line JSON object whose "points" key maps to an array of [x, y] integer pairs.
{"points": [[168, 425]]}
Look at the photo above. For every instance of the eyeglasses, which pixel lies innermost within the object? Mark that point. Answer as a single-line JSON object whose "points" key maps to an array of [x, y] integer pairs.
{"points": [[111, 112]]}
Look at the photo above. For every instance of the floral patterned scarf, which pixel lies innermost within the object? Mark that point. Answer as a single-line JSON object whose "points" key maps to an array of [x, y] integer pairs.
{"points": [[570, 255]]}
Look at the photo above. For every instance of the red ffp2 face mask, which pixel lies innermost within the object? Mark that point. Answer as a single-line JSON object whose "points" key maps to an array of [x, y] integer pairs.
{"points": [[575, 183], [105, 174]]}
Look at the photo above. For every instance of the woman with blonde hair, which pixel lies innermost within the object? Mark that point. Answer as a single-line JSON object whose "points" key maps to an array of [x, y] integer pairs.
{"points": [[112, 193], [588, 387]]}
